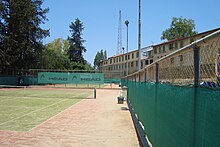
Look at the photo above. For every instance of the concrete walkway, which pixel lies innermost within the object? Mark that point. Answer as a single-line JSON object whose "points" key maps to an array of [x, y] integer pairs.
{"points": [[91, 122]]}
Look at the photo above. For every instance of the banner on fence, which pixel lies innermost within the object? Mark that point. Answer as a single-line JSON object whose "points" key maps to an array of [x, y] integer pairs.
{"points": [[70, 78]]}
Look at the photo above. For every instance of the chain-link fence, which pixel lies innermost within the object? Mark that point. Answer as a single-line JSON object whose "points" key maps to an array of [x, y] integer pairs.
{"points": [[177, 98], [179, 67]]}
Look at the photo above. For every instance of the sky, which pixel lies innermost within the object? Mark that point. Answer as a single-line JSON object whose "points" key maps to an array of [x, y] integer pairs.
{"points": [[101, 20]]}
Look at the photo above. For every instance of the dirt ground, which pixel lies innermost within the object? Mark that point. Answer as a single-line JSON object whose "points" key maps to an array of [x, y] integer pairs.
{"points": [[97, 122]]}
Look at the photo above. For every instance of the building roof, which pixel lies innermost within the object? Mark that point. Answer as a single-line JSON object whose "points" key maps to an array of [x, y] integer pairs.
{"points": [[179, 39]]}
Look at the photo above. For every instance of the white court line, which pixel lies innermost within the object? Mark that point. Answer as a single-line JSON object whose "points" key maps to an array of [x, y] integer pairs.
{"points": [[32, 112], [56, 115], [59, 113]]}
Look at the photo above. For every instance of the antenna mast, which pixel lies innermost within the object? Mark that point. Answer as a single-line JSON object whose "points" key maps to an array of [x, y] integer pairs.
{"points": [[119, 44]]}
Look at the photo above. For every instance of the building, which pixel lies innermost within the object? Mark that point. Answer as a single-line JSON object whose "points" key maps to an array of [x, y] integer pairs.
{"points": [[165, 48], [118, 63]]}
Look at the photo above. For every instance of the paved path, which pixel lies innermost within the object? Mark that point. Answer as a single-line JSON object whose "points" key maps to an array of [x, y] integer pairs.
{"points": [[91, 122]]}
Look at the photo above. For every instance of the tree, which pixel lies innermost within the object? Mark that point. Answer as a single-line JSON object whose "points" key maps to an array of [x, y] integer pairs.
{"points": [[76, 48], [55, 55], [21, 34], [180, 27], [100, 56]]}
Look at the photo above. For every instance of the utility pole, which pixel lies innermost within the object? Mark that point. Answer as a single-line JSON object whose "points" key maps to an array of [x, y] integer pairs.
{"points": [[126, 23], [119, 44], [139, 37]]}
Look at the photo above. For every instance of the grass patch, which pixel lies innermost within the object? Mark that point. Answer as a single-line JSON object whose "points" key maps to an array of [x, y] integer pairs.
{"points": [[22, 111]]}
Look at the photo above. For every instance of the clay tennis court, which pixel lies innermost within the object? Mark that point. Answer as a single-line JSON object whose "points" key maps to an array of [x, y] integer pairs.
{"points": [[90, 122]]}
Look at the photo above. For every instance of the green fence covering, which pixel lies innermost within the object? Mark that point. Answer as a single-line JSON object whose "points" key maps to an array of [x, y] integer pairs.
{"points": [[111, 80], [18, 80], [7, 80], [29, 80], [176, 116], [70, 78]]}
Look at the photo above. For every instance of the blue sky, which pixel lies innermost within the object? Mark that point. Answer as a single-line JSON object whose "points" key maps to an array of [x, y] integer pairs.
{"points": [[100, 19]]}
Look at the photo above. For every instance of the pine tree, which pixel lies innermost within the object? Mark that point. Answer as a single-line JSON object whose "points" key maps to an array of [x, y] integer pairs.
{"points": [[76, 41]]}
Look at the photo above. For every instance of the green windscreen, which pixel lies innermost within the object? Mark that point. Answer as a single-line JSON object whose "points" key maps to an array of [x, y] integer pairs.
{"points": [[176, 116], [70, 78]]}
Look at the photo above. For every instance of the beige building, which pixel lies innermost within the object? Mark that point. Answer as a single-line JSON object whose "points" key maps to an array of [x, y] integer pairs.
{"points": [[163, 49], [148, 54], [119, 62]]}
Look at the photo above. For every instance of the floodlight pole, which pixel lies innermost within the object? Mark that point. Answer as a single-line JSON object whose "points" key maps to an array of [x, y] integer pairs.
{"points": [[139, 37], [126, 23]]}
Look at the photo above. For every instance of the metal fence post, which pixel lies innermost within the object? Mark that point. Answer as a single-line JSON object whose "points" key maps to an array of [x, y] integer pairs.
{"points": [[196, 85], [139, 77], [157, 73], [145, 75], [196, 66]]}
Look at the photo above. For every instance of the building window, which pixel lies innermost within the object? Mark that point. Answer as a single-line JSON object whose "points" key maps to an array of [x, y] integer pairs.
{"points": [[150, 54], [132, 64], [176, 45], [155, 51], [136, 63], [146, 62], [151, 61], [119, 59], [137, 54], [128, 57], [122, 58], [164, 49], [160, 51], [170, 46], [110, 61], [181, 44], [125, 57], [141, 63], [132, 55]]}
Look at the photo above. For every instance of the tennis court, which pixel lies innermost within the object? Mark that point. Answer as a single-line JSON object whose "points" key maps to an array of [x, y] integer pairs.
{"points": [[23, 108], [91, 122]]}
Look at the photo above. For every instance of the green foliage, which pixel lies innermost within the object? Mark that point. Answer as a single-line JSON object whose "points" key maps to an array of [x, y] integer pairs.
{"points": [[100, 56], [180, 27], [21, 35], [55, 55]]}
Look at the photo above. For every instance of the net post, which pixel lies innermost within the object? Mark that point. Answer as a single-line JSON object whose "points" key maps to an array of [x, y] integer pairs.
{"points": [[94, 93]]}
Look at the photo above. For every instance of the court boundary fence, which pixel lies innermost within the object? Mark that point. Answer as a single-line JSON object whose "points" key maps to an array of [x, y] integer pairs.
{"points": [[176, 99], [30, 77]]}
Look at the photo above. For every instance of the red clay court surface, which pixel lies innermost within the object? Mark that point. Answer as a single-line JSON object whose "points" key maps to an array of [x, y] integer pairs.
{"points": [[91, 122]]}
